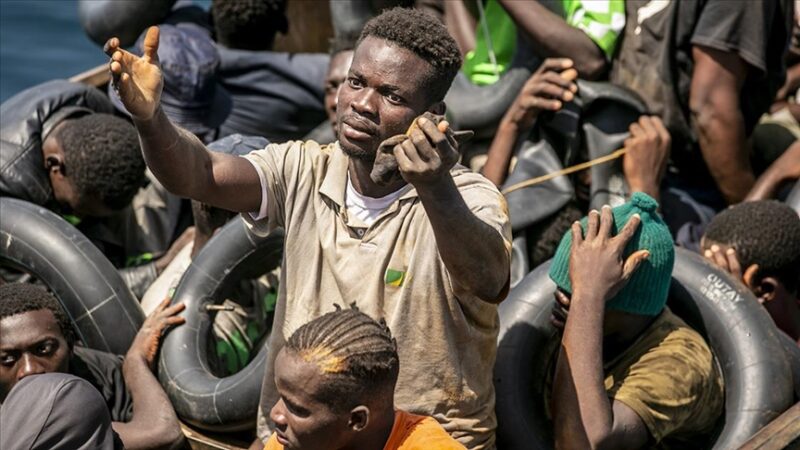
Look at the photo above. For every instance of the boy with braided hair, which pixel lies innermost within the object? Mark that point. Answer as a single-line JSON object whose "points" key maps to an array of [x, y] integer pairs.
{"points": [[336, 378]]}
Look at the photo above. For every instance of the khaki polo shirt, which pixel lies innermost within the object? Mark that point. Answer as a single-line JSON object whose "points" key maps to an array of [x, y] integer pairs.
{"points": [[446, 337]]}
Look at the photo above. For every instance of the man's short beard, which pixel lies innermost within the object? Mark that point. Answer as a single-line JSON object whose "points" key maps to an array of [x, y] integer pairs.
{"points": [[358, 153]]}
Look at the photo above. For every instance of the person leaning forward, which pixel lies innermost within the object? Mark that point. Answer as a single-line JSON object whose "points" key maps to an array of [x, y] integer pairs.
{"points": [[429, 250]]}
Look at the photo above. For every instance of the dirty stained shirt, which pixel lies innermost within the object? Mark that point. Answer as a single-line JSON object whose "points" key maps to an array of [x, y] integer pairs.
{"points": [[391, 269]]}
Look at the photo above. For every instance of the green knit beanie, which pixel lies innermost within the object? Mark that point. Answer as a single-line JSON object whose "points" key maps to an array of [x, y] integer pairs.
{"points": [[647, 290]]}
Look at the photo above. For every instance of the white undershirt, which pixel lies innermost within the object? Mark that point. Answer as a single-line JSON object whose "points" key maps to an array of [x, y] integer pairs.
{"points": [[367, 209]]}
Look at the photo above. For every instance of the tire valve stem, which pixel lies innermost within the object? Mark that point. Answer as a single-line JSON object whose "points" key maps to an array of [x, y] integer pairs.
{"points": [[219, 308]]}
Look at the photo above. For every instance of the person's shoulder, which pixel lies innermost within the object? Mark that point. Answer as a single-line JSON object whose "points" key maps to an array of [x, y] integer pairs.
{"points": [[308, 146], [467, 179], [678, 334]]}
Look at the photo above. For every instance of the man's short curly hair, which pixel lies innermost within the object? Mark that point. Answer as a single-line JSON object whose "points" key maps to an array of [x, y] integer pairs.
{"points": [[766, 233], [422, 34], [248, 24], [103, 158], [19, 298]]}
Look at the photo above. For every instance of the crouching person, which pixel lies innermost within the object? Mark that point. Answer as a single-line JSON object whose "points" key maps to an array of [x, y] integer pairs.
{"points": [[36, 337], [336, 377], [630, 374]]}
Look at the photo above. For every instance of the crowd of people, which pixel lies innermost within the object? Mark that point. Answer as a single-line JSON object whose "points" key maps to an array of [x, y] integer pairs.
{"points": [[398, 240]]}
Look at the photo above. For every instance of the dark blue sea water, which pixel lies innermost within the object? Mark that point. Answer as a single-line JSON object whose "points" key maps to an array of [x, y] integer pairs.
{"points": [[41, 40]]}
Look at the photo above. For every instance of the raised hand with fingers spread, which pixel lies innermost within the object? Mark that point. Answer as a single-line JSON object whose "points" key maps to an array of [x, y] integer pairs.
{"points": [[138, 79]]}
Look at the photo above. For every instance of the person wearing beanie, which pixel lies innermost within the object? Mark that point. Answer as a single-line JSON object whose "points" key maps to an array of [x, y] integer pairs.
{"points": [[630, 374], [759, 244]]}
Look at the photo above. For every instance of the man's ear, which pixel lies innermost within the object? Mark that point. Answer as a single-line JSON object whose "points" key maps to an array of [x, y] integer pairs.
{"points": [[763, 288], [767, 289], [438, 108], [54, 164], [359, 418]]}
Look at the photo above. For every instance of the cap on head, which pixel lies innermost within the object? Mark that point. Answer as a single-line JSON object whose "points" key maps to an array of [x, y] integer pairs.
{"points": [[189, 61], [647, 290]]}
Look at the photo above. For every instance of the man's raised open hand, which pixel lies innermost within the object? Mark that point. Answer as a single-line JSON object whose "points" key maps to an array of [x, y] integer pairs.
{"points": [[137, 79]]}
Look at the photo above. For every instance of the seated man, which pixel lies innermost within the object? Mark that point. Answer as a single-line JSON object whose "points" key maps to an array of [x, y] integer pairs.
{"points": [[275, 95], [430, 250], [759, 244], [630, 374], [61, 148], [37, 337], [55, 411], [336, 378]]}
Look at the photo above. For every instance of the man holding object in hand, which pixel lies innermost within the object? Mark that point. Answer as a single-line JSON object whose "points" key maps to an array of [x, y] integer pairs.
{"points": [[429, 251]]}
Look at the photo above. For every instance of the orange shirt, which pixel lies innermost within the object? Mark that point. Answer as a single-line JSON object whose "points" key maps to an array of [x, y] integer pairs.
{"points": [[410, 432]]}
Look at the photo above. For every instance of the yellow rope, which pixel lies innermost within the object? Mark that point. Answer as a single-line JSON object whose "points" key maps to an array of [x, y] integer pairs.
{"points": [[566, 171]]}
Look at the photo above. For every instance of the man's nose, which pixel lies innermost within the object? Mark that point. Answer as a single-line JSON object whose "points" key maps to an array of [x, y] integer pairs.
{"points": [[30, 366], [278, 414], [365, 102]]}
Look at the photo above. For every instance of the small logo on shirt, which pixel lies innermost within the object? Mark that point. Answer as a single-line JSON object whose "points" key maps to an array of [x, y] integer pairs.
{"points": [[394, 277]]}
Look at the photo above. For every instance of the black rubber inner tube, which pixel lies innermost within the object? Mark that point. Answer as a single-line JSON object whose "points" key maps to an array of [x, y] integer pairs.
{"points": [[758, 378], [104, 311], [200, 397], [124, 19]]}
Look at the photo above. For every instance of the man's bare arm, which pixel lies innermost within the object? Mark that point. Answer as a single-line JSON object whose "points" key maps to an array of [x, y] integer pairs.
{"points": [[185, 167], [177, 158], [473, 252], [154, 424], [554, 38], [583, 415], [716, 115]]}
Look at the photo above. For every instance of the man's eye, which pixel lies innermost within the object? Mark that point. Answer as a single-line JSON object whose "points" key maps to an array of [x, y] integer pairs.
{"points": [[355, 82], [7, 359], [47, 348], [394, 98]]}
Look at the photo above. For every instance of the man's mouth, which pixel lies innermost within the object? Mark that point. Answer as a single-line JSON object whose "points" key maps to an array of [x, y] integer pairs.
{"points": [[281, 438], [354, 129]]}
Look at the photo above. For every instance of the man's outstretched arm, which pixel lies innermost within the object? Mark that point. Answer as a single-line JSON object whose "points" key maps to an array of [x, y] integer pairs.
{"points": [[176, 157], [473, 252]]}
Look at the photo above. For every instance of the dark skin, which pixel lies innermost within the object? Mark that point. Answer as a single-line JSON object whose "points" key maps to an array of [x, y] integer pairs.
{"points": [[781, 304], [546, 90], [645, 162], [303, 422], [583, 415], [33, 344], [552, 37], [382, 96], [64, 191], [337, 73], [717, 117]]}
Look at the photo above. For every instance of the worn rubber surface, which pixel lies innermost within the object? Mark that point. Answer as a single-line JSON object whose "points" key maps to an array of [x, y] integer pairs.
{"points": [[758, 378], [104, 311], [199, 397], [126, 20]]}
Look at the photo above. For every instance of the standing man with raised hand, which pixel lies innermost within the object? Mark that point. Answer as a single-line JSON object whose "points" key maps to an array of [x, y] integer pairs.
{"points": [[429, 250]]}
